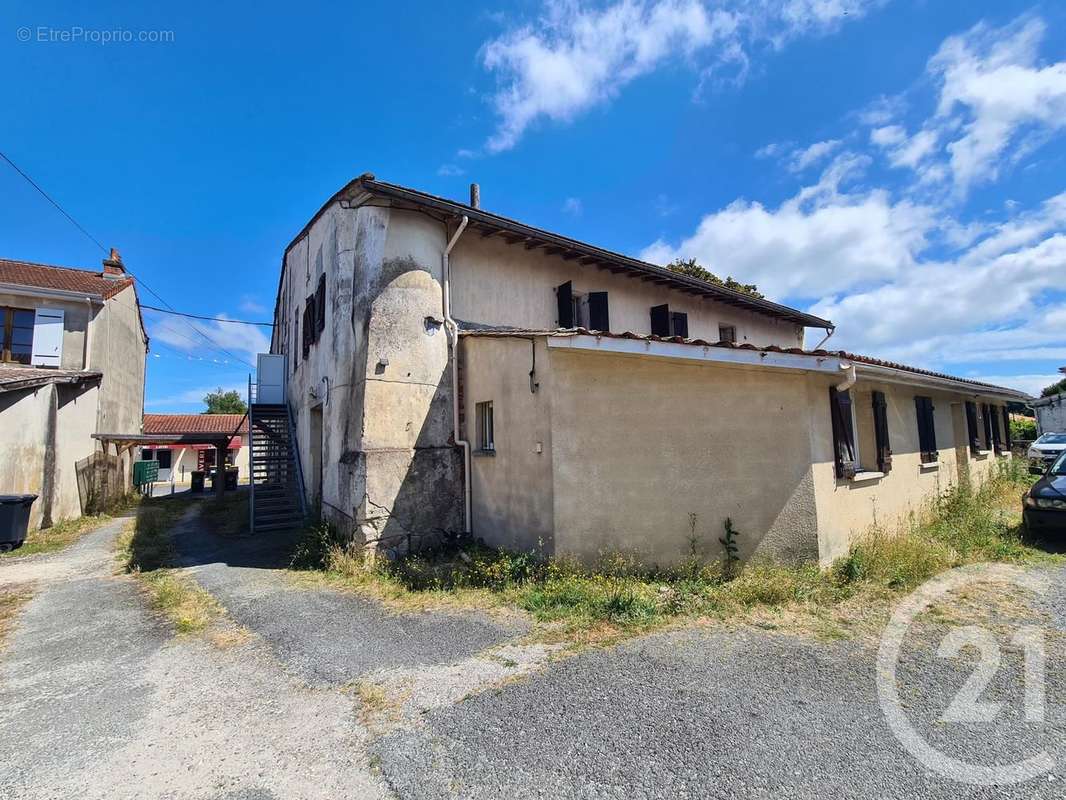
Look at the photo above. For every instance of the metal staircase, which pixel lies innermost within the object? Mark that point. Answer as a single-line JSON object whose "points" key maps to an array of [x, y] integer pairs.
{"points": [[277, 498]]}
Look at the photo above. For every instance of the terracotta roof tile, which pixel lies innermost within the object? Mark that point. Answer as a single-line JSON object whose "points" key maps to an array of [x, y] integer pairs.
{"points": [[69, 279], [19, 377], [194, 423]]}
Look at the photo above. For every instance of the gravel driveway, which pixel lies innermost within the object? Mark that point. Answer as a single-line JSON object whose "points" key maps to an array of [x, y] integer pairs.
{"points": [[98, 698]]}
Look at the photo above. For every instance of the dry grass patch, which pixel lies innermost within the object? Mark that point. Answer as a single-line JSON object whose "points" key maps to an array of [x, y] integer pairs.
{"points": [[619, 598], [12, 599]]}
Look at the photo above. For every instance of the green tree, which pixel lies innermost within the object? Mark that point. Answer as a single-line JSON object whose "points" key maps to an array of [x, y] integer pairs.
{"points": [[1022, 429], [1055, 388], [690, 267], [221, 402]]}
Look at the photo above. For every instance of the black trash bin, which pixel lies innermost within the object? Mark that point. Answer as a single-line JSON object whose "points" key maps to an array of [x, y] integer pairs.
{"points": [[14, 519]]}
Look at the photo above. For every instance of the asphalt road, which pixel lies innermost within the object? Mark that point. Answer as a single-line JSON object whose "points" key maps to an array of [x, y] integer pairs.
{"points": [[99, 698]]}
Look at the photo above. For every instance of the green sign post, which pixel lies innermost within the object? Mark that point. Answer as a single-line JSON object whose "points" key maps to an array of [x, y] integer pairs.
{"points": [[145, 472]]}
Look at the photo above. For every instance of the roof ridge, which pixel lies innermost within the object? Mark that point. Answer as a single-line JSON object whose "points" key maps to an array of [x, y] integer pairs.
{"points": [[97, 273]]}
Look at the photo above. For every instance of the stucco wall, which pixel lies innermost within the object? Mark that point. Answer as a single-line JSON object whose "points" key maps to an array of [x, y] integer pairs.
{"points": [[496, 283], [75, 323], [848, 509], [1051, 417], [378, 374], [512, 497], [23, 468], [640, 444]]}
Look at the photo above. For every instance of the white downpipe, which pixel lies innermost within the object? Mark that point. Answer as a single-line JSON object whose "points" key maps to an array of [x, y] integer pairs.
{"points": [[849, 378], [453, 343]]}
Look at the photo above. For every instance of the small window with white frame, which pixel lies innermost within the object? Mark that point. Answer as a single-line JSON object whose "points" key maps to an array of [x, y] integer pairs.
{"points": [[485, 441], [727, 333]]}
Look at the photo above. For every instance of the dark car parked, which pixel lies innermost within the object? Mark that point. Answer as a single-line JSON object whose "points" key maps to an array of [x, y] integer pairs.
{"points": [[1045, 503]]}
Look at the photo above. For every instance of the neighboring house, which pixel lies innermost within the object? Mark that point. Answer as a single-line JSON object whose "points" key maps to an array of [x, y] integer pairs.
{"points": [[596, 402], [71, 366], [1050, 413], [177, 461]]}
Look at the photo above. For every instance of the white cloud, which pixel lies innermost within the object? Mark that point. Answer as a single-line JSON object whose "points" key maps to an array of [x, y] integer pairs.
{"points": [[573, 206], [1027, 383], [250, 305], [240, 342], [996, 104], [575, 57], [193, 396], [450, 170], [820, 241], [811, 155]]}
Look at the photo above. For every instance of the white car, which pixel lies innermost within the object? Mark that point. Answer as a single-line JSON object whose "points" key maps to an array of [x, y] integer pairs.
{"points": [[1045, 450]]}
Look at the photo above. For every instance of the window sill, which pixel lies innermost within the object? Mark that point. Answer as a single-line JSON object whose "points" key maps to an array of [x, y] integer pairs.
{"points": [[982, 454], [929, 466], [866, 477], [490, 453]]}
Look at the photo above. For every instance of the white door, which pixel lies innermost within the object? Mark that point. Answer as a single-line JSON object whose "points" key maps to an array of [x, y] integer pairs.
{"points": [[270, 375]]}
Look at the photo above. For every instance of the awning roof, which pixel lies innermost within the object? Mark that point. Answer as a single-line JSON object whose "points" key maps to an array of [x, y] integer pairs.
{"points": [[772, 356], [19, 377], [366, 188]]}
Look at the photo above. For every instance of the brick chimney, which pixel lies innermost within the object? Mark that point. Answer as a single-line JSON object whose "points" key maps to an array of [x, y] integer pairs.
{"points": [[113, 267]]}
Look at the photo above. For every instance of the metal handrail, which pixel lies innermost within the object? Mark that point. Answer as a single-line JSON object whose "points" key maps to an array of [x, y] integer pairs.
{"points": [[251, 461], [296, 457]]}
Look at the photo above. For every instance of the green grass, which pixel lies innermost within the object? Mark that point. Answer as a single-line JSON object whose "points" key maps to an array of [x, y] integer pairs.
{"points": [[146, 550], [960, 527], [66, 532], [12, 598]]}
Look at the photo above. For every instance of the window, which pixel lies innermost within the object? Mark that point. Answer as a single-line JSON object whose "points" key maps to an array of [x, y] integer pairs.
{"points": [[884, 450], [147, 454], [993, 423], [986, 420], [17, 334], [295, 339], [599, 317], [485, 442], [926, 429], [564, 297], [971, 427], [665, 322], [320, 305], [845, 454], [163, 457], [1006, 430], [727, 333]]}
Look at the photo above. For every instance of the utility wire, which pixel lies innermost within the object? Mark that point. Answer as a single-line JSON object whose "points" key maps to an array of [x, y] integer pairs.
{"points": [[210, 319], [96, 241], [45, 195]]}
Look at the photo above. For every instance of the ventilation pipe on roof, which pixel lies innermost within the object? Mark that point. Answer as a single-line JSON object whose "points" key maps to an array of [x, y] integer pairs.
{"points": [[453, 343], [475, 196]]}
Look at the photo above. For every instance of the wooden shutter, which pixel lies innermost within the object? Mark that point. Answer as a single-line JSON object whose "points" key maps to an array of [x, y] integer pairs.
{"points": [[843, 433], [1006, 429], [679, 324], [986, 419], [295, 339], [660, 320], [564, 295], [308, 326], [923, 407], [884, 451], [993, 421], [599, 319], [320, 306], [47, 348], [971, 426]]}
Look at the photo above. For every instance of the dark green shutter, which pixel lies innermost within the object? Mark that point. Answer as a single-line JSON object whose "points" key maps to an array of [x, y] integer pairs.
{"points": [[660, 320], [1006, 429], [599, 319], [564, 294], [923, 407], [884, 450], [320, 306], [986, 418]]}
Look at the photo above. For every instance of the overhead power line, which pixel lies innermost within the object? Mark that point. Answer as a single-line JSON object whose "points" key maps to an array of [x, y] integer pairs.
{"points": [[212, 343], [209, 319]]}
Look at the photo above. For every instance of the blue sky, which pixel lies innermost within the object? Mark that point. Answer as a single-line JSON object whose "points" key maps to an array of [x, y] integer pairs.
{"points": [[895, 166]]}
